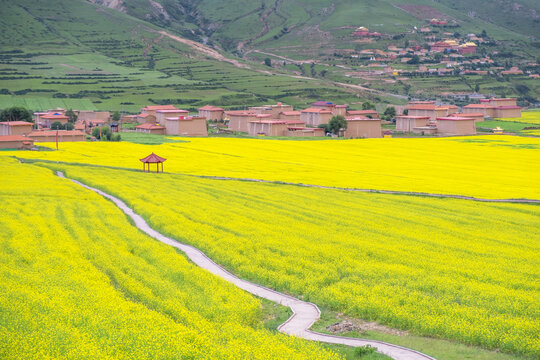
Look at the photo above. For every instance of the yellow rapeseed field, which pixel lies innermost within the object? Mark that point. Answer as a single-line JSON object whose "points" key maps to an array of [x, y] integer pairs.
{"points": [[78, 281], [482, 166], [447, 268]]}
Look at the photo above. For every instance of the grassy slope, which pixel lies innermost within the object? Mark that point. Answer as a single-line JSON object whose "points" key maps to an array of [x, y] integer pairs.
{"points": [[91, 52]]}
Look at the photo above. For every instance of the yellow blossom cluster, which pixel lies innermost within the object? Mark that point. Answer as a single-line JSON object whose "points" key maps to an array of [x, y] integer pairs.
{"points": [[481, 166], [449, 268], [78, 281]]}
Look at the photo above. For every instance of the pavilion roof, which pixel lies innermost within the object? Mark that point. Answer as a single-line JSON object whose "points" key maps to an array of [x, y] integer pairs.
{"points": [[153, 158]]}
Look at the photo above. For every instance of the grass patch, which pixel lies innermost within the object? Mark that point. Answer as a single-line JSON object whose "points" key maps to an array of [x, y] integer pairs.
{"points": [[150, 139], [438, 348]]}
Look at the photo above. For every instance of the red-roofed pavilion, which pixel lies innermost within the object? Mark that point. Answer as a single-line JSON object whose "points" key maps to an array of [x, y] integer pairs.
{"points": [[153, 159]]}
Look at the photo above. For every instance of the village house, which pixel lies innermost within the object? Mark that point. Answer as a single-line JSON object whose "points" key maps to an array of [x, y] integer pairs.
{"points": [[44, 120], [431, 110], [453, 125], [334, 108], [239, 120], [315, 116], [52, 135], [104, 116], [268, 127], [150, 129], [290, 115], [15, 128], [18, 142], [362, 31], [367, 113], [162, 114], [186, 126], [273, 110], [144, 118], [210, 112], [407, 123], [148, 114], [467, 48], [304, 132], [495, 107], [363, 127], [485, 109], [475, 116], [513, 71], [438, 22]]}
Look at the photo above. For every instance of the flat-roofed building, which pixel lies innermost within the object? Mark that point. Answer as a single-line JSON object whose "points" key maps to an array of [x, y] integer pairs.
{"points": [[161, 115], [407, 123], [270, 127], [304, 132], [211, 112], [150, 129], [186, 126], [363, 127], [239, 120], [453, 125], [46, 120], [16, 142], [367, 113], [315, 116], [52, 135], [486, 109], [509, 111], [289, 115], [15, 128], [94, 115], [476, 116]]}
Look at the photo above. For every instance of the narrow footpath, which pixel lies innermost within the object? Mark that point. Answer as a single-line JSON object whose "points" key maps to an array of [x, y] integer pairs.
{"points": [[305, 314]]}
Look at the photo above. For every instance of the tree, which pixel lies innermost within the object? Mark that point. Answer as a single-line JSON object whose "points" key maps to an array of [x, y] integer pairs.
{"points": [[116, 116], [57, 125], [389, 113], [484, 34], [337, 123], [368, 106], [477, 88], [268, 62], [414, 60], [72, 117], [16, 113], [68, 126], [105, 133]]}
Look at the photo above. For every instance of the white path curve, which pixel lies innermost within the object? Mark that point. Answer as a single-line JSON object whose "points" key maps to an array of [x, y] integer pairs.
{"points": [[305, 314]]}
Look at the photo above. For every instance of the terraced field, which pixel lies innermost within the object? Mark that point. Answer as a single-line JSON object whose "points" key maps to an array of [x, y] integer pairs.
{"points": [[77, 280]]}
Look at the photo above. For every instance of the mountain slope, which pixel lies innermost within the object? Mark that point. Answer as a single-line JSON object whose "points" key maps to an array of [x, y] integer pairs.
{"points": [[121, 62], [237, 23]]}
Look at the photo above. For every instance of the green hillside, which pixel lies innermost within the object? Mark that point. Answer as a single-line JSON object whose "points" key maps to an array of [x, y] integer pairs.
{"points": [[279, 23], [127, 56], [120, 63]]}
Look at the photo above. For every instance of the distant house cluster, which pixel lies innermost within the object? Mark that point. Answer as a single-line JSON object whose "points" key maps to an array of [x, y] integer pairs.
{"points": [[428, 118], [283, 120], [169, 120]]}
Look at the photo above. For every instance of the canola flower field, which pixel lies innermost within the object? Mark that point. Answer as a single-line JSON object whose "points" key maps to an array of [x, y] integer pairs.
{"points": [[78, 281], [480, 166], [447, 268]]}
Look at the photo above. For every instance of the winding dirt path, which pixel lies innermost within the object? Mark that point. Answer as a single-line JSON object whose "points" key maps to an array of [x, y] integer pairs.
{"points": [[305, 314]]}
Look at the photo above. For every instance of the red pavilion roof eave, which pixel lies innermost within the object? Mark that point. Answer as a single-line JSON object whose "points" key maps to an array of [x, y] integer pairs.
{"points": [[152, 158]]}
